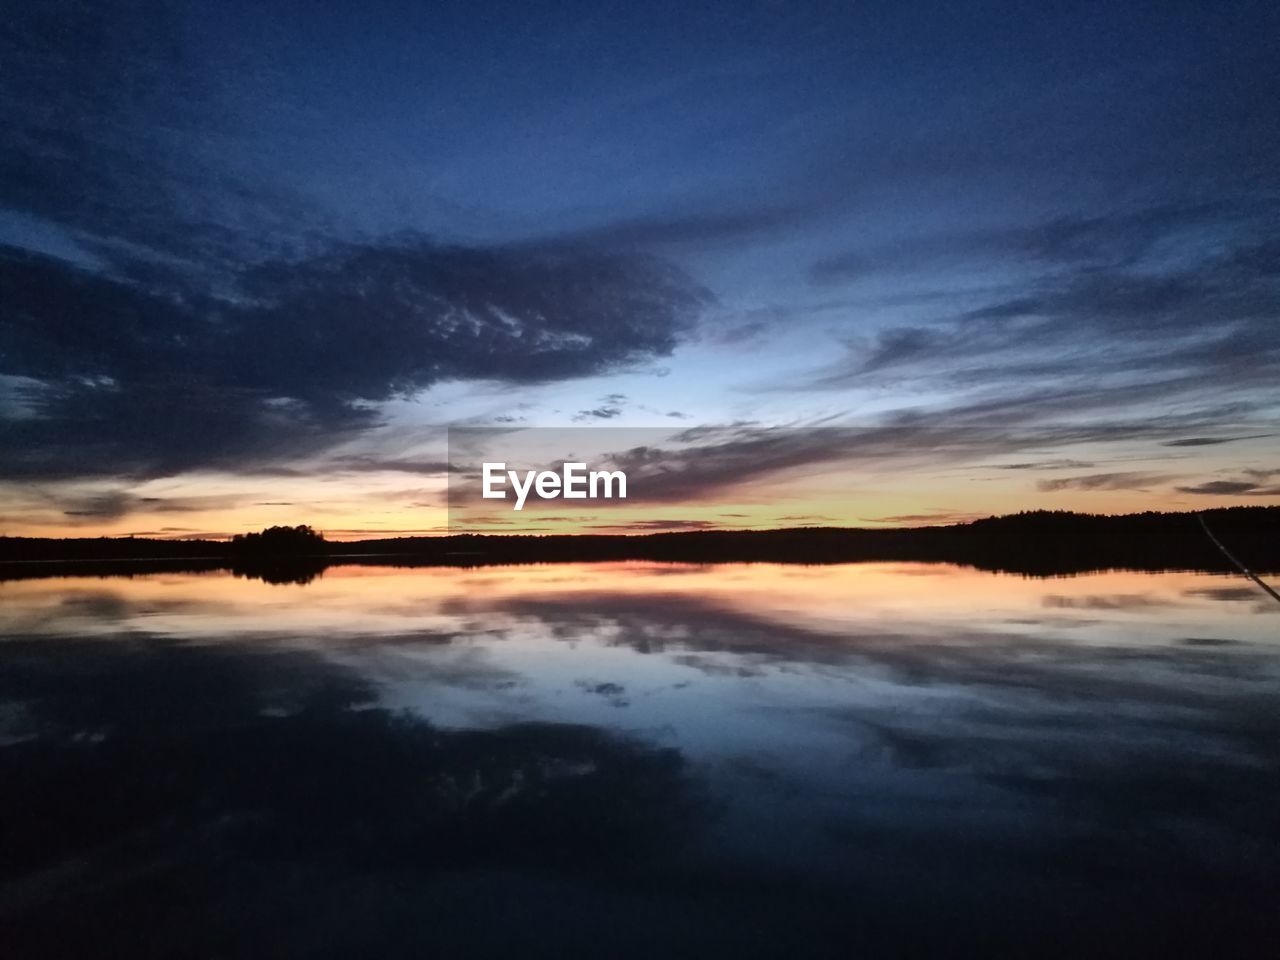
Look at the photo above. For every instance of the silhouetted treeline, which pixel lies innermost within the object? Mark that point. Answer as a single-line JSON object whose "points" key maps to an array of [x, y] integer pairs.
{"points": [[1035, 543], [108, 548], [1039, 542]]}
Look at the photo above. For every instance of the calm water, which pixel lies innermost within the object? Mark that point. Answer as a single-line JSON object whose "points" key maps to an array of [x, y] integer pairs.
{"points": [[640, 759]]}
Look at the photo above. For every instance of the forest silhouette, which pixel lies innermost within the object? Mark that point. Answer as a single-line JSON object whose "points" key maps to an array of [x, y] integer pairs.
{"points": [[1039, 543]]}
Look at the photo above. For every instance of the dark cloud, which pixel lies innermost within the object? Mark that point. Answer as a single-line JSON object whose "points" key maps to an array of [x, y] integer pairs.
{"points": [[1231, 488], [708, 461], [1104, 481], [1113, 240], [937, 517], [704, 462], [125, 380], [375, 464], [206, 319], [1046, 465], [1118, 237], [598, 413], [610, 407], [107, 506], [656, 526], [115, 504], [1166, 303], [420, 312], [1156, 322], [1210, 441]]}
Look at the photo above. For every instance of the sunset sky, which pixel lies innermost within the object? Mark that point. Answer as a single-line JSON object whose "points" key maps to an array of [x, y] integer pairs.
{"points": [[856, 263]]}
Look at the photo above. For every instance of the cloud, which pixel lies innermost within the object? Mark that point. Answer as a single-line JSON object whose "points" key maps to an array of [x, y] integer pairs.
{"points": [[1112, 239], [227, 325], [1098, 342], [598, 413], [652, 526], [375, 464], [1210, 441], [1231, 488], [705, 461], [200, 318], [103, 505], [711, 462], [379, 321], [708, 462], [1163, 304], [1104, 481], [938, 517], [124, 380], [1060, 464], [610, 407]]}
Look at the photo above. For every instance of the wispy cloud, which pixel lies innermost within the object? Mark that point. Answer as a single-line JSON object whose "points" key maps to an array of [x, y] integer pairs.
{"points": [[1231, 488], [610, 407], [1104, 481]]}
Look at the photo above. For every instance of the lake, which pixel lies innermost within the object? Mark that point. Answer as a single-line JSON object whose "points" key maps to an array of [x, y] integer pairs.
{"points": [[639, 759]]}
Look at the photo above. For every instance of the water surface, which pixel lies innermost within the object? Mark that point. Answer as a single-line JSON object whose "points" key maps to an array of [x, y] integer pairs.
{"points": [[622, 759]]}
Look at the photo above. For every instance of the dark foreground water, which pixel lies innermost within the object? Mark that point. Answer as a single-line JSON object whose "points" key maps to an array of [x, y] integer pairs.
{"points": [[640, 760]]}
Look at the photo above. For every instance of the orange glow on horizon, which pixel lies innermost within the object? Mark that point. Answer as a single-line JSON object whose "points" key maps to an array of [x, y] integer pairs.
{"points": [[347, 506]]}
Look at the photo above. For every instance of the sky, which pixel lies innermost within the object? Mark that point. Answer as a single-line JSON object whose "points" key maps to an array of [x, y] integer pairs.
{"points": [[865, 263]]}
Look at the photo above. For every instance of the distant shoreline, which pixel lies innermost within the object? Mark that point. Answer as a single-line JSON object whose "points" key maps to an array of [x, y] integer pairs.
{"points": [[1044, 543]]}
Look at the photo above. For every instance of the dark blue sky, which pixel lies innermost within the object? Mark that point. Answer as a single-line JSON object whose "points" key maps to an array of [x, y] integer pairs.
{"points": [[254, 237]]}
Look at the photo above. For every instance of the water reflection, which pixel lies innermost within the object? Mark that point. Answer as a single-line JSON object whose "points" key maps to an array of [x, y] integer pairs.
{"points": [[744, 759]]}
